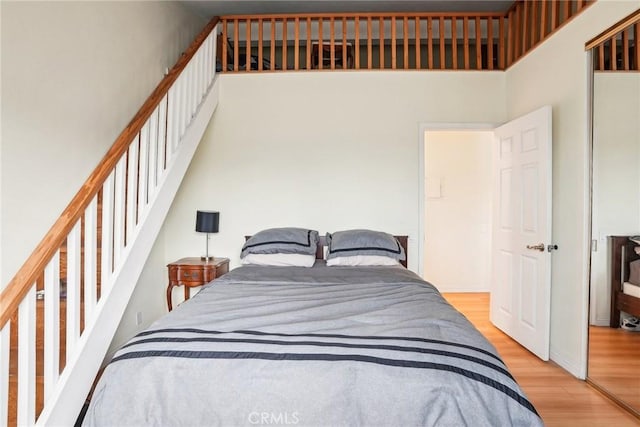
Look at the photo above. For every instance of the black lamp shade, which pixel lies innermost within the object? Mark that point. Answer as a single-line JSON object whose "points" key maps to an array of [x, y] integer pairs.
{"points": [[207, 221]]}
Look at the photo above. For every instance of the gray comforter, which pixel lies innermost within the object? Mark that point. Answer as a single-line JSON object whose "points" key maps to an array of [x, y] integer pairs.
{"points": [[330, 346]]}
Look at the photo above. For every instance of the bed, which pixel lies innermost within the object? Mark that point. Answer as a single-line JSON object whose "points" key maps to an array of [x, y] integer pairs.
{"points": [[333, 345], [624, 295]]}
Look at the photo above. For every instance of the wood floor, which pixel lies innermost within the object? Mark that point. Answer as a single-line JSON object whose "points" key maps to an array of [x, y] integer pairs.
{"points": [[614, 362], [560, 398]]}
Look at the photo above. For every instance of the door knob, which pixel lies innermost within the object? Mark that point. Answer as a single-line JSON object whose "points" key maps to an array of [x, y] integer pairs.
{"points": [[538, 247]]}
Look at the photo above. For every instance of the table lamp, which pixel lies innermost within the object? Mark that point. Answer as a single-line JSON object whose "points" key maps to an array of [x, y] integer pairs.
{"points": [[207, 222]]}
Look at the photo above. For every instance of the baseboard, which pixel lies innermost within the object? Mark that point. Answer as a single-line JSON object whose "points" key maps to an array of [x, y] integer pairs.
{"points": [[601, 322]]}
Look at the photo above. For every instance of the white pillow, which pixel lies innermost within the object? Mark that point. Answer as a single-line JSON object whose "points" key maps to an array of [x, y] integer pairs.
{"points": [[279, 260], [362, 260]]}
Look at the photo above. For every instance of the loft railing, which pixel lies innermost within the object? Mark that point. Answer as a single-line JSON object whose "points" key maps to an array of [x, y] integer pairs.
{"points": [[389, 41], [368, 41], [51, 305], [618, 49], [532, 21]]}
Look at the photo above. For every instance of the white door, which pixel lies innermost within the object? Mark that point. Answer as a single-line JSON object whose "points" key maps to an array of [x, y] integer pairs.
{"points": [[521, 258]]}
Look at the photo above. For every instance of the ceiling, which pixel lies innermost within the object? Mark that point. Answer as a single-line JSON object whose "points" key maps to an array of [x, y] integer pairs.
{"points": [[210, 8]]}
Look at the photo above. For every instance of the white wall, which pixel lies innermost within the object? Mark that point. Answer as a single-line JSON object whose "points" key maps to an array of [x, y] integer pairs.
{"points": [[616, 175], [323, 150], [328, 151], [457, 248], [555, 74], [73, 76], [337, 150]]}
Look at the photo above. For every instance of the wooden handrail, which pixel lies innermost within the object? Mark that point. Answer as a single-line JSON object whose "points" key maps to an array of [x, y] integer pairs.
{"points": [[291, 16], [613, 30], [27, 275], [614, 44]]}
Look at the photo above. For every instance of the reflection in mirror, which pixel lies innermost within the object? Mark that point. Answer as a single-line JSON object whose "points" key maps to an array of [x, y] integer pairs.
{"points": [[614, 316]]}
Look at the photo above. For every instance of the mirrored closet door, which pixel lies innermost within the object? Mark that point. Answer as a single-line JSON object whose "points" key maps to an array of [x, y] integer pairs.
{"points": [[614, 317]]}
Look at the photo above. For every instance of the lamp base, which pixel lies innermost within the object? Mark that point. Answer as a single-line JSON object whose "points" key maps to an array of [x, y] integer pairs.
{"points": [[207, 258]]}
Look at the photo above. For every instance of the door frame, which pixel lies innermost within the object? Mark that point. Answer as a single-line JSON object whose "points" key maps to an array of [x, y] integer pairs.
{"points": [[583, 364], [422, 129]]}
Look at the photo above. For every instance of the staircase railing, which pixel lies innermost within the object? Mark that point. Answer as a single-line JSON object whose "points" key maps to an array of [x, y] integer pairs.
{"points": [[58, 314]]}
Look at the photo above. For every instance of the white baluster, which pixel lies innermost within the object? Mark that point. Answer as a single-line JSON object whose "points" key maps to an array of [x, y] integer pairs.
{"points": [[202, 79], [119, 209], [171, 123], [74, 262], [155, 120], [51, 324], [106, 250], [206, 66], [186, 102], [90, 259], [177, 113], [27, 359], [188, 71], [153, 154], [197, 72], [132, 189], [214, 49], [204, 60], [5, 346], [143, 160], [162, 136], [208, 62], [195, 87], [180, 95]]}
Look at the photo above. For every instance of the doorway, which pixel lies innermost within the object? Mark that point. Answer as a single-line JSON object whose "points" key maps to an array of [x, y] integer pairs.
{"points": [[457, 193]]}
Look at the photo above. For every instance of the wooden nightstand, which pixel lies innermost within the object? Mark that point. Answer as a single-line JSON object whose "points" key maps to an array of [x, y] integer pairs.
{"points": [[193, 272]]}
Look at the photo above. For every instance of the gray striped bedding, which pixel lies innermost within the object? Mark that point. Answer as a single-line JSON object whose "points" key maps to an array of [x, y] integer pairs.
{"points": [[321, 346]]}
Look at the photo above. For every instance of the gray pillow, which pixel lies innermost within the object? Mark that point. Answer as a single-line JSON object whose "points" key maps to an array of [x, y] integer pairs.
{"points": [[363, 242], [288, 240]]}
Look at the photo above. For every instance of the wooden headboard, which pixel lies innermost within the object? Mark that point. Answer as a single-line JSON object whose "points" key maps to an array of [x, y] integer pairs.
{"points": [[322, 243]]}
